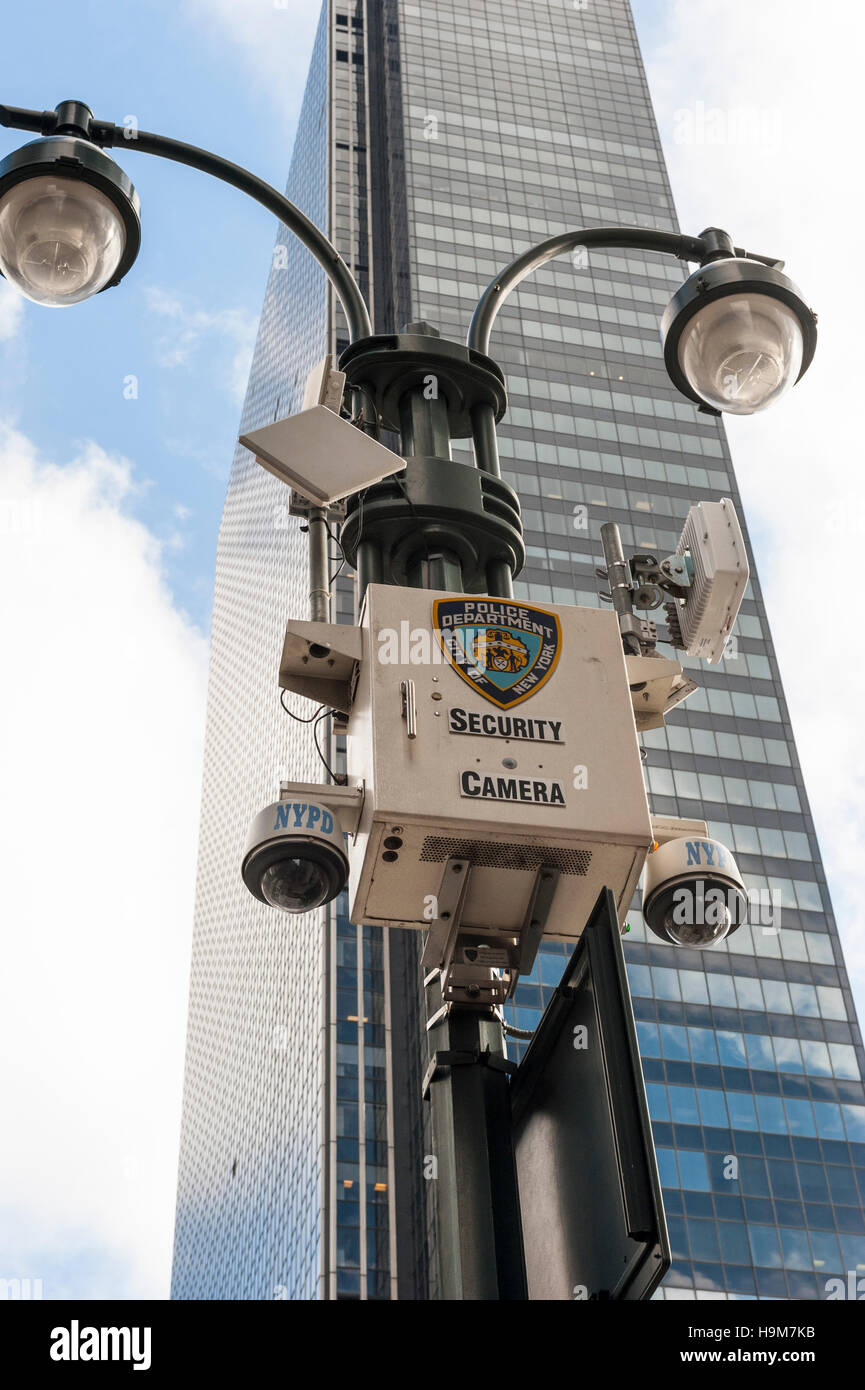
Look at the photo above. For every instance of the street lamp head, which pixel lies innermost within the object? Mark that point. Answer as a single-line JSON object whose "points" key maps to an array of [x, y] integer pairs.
{"points": [[69, 220], [737, 335]]}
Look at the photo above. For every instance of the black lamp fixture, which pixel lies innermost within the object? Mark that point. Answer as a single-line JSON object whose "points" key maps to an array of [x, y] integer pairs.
{"points": [[69, 217], [738, 334]]}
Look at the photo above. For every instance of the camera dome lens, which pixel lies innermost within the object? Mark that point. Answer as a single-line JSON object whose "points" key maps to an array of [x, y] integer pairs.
{"points": [[693, 893], [295, 885], [294, 858], [699, 913], [696, 933]]}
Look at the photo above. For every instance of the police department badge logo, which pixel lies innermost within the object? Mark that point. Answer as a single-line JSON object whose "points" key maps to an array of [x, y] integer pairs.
{"points": [[505, 651]]}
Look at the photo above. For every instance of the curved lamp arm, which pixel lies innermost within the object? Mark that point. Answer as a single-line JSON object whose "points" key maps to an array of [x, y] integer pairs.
{"points": [[104, 133], [344, 283], [687, 248]]}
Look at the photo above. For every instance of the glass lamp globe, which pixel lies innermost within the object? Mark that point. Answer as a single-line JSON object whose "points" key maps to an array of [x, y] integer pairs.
{"points": [[742, 352], [61, 239]]}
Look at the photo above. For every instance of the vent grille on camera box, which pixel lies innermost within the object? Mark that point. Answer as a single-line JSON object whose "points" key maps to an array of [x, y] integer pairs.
{"points": [[486, 854]]}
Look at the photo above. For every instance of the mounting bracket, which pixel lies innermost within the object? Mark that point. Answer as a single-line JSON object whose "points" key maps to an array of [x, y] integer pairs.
{"points": [[480, 966]]}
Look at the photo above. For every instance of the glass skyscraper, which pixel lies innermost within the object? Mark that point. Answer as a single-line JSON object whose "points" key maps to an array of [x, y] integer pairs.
{"points": [[436, 141]]}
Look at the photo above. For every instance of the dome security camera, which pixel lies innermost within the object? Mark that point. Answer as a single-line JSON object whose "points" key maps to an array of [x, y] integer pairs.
{"points": [[693, 893], [294, 857]]}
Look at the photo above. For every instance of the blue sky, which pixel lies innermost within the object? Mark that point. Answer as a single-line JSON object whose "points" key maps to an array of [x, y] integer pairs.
{"points": [[106, 568], [183, 321]]}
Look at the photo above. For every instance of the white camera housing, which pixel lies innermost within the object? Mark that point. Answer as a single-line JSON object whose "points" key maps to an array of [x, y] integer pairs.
{"points": [[554, 780], [713, 538], [295, 856], [693, 893]]}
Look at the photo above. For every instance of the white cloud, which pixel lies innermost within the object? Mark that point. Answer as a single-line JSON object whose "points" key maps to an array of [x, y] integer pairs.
{"points": [[11, 312], [758, 108], [100, 744], [194, 328]]}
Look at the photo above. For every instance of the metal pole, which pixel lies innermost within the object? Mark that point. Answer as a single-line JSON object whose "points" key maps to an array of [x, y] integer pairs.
{"points": [[500, 580], [319, 567], [424, 426], [484, 438], [620, 589], [478, 1226]]}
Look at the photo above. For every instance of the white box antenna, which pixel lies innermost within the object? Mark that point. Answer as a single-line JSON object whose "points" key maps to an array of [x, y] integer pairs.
{"points": [[713, 539], [316, 452]]}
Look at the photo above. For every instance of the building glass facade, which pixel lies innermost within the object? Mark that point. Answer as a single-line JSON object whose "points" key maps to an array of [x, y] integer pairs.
{"points": [[249, 1222], [450, 137]]}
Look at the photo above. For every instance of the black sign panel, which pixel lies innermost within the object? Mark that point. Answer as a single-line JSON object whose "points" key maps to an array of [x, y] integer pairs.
{"points": [[590, 1196]]}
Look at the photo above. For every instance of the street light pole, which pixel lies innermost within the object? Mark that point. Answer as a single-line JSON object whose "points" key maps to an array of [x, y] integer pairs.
{"points": [[447, 526], [437, 524]]}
